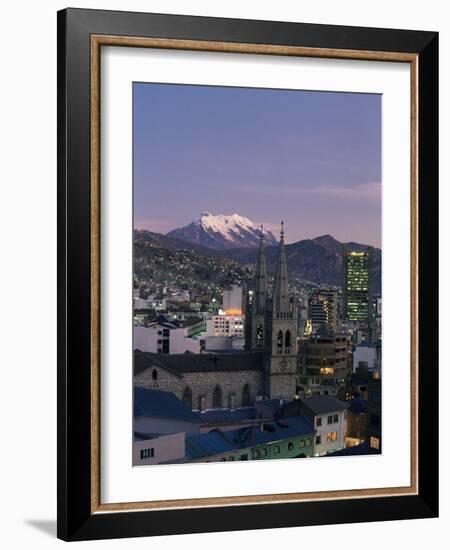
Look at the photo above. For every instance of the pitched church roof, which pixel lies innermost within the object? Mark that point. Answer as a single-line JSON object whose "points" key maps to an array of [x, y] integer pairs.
{"points": [[195, 362]]}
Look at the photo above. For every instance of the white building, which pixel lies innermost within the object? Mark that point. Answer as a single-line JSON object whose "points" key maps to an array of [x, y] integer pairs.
{"points": [[232, 300], [224, 324], [379, 306], [159, 449], [162, 336], [140, 303], [160, 424], [158, 303], [328, 416], [367, 356]]}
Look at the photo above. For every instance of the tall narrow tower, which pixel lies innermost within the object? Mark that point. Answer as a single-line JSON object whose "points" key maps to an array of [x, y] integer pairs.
{"points": [[258, 307], [283, 360]]}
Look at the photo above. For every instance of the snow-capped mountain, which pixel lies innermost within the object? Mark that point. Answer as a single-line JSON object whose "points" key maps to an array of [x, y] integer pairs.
{"points": [[223, 232]]}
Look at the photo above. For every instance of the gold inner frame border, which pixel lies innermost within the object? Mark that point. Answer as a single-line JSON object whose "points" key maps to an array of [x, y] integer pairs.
{"points": [[97, 41]]}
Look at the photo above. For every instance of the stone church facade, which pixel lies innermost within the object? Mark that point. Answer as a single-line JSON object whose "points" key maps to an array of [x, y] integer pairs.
{"points": [[203, 381], [267, 368]]}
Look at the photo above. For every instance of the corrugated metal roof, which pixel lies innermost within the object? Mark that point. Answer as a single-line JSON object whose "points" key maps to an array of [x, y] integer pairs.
{"points": [[212, 443], [217, 442]]}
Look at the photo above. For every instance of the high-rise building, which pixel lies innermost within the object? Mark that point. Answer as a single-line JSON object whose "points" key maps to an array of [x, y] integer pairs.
{"points": [[357, 285], [324, 363], [323, 309]]}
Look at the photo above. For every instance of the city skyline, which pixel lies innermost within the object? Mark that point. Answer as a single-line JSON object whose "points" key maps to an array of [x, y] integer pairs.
{"points": [[220, 150]]}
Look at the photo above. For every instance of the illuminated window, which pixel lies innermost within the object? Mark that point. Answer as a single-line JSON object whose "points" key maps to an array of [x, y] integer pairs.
{"points": [[326, 370], [375, 442], [331, 436]]}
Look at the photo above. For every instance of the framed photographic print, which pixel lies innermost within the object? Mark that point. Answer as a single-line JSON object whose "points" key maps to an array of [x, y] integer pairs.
{"points": [[247, 274]]}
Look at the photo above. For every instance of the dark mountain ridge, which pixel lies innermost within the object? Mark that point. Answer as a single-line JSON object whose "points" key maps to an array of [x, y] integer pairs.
{"points": [[317, 260]]}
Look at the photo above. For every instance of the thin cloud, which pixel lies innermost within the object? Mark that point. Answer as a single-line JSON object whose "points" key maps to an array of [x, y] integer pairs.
{"points": [[363, 191], [369, 192]]}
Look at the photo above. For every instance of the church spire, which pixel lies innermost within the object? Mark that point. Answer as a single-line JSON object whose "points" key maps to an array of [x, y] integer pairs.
{"points": [[261, 278], [280, 294]]}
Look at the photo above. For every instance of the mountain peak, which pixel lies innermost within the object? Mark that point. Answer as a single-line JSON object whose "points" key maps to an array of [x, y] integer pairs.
{"points": [[223, 231], [327, 238]]}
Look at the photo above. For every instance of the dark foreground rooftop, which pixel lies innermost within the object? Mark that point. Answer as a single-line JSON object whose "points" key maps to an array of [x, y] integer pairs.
{"points": [[161, 404], [323, 404], [356, 450], [216, 441]]}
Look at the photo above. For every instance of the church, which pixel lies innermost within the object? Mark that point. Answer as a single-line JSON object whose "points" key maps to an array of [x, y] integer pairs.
{"points": [[266, 369]]}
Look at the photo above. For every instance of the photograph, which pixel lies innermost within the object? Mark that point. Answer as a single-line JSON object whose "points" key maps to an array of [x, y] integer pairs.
{"points": [[257, 268]]}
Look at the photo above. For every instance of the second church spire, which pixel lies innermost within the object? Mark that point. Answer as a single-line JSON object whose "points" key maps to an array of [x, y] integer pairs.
{"points": [[280, 302]]}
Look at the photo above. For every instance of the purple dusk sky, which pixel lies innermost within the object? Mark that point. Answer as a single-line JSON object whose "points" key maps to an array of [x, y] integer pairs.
{"points": [[312, 159]]}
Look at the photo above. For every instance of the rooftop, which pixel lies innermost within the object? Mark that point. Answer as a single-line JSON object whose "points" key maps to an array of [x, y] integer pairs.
{"points": [[217, 441], [358, 405], [161, 404], [194, 362], [323, 404], [216, 416], [356, 450]]}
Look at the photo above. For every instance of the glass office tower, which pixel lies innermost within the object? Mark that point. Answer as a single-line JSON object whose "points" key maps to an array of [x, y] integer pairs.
{"points": [[357, 287]]}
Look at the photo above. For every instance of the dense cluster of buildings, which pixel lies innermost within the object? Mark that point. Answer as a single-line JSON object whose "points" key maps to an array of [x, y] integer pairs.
{"points": [[261, 375]]}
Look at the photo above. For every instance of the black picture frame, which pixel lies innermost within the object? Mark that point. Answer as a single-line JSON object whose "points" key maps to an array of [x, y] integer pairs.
{"points": [[75, 519]]}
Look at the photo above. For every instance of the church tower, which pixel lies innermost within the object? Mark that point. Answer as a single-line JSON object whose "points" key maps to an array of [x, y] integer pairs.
{"points": [[283, 360], [257, 333]]}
